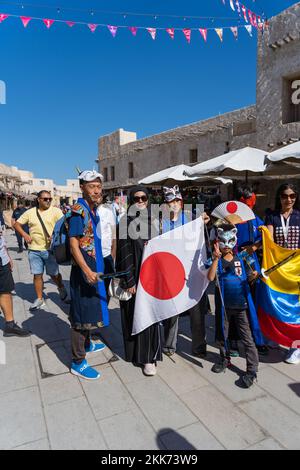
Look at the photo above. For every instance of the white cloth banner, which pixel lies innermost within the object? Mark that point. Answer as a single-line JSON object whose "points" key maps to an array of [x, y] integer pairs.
{"points": [[171, 280]]}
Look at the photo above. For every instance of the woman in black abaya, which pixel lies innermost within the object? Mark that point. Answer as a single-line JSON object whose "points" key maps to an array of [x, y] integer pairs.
{"points": [[144, 348]]}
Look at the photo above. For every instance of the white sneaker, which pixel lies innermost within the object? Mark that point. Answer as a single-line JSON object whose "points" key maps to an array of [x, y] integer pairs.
{"points": [[149, 369], [293, 356], [38, 303]]}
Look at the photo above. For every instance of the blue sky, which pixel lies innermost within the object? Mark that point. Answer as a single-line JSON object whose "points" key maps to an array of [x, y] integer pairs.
{"points": [[67, 87]]}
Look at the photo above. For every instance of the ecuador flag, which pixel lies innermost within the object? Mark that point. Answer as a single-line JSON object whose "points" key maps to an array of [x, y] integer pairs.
{"points": [[279, 295]]}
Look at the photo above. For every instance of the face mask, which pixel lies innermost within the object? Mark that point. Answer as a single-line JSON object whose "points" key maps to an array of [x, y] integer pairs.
{"points": [[227, 239]]}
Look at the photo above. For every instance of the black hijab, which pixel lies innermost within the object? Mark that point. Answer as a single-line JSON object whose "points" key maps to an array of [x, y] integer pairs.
{"points": [[135, 190]]}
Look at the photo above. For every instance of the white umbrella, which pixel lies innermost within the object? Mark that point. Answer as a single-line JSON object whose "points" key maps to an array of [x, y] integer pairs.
{"points": [[289, 153], [176, 174], [248, 159], [239, 163]]}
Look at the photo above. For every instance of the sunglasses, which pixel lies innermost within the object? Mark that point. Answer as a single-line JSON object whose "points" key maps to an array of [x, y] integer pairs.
{"points": [[140, 198], [287, 196], [46, 199]]}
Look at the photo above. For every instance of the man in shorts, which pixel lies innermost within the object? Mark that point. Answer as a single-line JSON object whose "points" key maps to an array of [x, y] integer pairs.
{"points": [[6, 287], [41, 221]]}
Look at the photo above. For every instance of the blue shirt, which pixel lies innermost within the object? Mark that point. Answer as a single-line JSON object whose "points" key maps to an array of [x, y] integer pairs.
{"points": [[248, 232], [76, 225], [168, 225]]}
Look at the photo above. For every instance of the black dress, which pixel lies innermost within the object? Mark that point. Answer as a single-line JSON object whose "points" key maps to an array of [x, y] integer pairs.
{"points": [[145, 347]]}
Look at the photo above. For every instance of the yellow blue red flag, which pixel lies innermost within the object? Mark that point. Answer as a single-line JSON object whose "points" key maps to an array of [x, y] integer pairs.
{"points": [[278, 296]]}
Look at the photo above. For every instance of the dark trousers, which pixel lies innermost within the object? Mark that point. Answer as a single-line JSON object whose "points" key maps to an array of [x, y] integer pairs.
{"points": [[197, 319], [108, 269], [245, 334], [80, 339], [20, 241]]}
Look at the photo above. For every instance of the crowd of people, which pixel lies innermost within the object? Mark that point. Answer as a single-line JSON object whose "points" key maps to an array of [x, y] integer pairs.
{"points": [[98, 244]]}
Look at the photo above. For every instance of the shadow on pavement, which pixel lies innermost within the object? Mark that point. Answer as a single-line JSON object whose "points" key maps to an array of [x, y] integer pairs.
{"points": [[171, 440]]}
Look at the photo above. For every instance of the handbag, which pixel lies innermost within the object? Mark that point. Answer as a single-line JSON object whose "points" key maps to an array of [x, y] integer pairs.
{"points": [[117, 292]]}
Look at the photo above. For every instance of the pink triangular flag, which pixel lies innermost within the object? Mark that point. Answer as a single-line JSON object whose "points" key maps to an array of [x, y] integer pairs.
{"points": [[250, 17], [48, 23], [245, 13], [133, 29], [203, 33], [234, 30], [113, 30], [3, 17], [152, 32], [219, 32], [188, 34], [92, 27], [70, 23], [254, 19], [25, 20], [171, 32]]}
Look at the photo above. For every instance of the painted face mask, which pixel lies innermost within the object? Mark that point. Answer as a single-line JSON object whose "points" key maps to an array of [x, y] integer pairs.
{"points": [[227, 239]]}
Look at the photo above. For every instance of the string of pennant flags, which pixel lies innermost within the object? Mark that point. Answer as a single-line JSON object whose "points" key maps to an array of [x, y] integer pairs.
{"points": [[249, 16], [134, 29]]}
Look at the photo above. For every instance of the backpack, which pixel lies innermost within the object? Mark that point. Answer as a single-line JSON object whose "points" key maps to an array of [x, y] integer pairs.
{"points": [[60, 243]]}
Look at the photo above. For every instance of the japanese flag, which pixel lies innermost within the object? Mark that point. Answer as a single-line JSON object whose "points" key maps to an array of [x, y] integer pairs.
{"points": [[171, 280]]}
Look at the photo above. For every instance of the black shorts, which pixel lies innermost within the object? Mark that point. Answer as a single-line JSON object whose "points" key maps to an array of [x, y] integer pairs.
{"points": [[6, 280]]}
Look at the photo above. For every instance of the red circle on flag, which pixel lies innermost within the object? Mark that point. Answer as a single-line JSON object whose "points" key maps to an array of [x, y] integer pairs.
{"points": [[232, 207], [162, 276]]}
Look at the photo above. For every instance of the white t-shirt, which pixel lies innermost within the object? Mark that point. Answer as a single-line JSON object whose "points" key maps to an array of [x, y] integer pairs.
{"points": [[108, 229], [3, 251]]}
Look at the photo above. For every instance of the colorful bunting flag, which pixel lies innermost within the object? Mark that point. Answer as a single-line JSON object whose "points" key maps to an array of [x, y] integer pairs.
{"points": [[92, 27], [25, 20], [254, 18], [171, 32], [133, 29], [255, 21], [249, 29], [203, 33], [48, 23], [237, 4], [234, 30], [3, 17], [188, 34], [250, 17], [232, 5], [245, 13], [152, 32], [219, 32], [113, 30]]}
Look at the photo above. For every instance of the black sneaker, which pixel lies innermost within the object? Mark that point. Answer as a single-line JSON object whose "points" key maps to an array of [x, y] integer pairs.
{"points": [[15, 330], [248, 379], [262, 350], [20, 250], [202, 353], [221, 366]]}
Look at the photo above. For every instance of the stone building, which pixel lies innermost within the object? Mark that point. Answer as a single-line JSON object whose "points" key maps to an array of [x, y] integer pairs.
{"points": [[15, 183], [272, 122]]}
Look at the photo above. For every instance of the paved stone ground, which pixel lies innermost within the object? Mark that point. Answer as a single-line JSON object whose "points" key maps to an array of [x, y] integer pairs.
{"points": [[185, 406]]}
